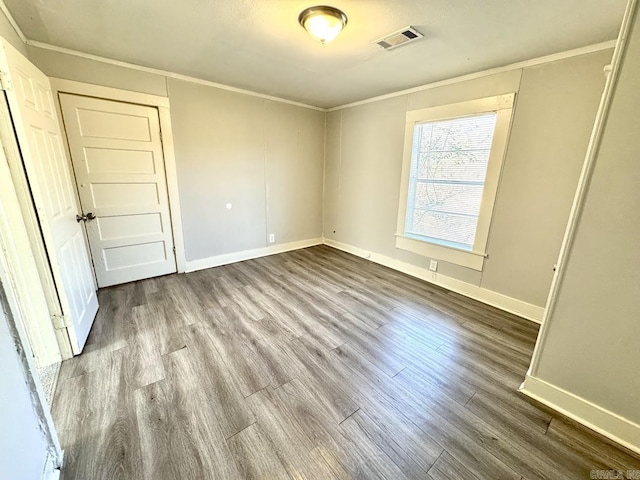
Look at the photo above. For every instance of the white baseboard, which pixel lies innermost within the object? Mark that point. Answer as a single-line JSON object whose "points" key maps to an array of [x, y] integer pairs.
{"points": [[52, 475], [602, 421], [228, 258], [495, 299], [52, 467], [606, 423]]}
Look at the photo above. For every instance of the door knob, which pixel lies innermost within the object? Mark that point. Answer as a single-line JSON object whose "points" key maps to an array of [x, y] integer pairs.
{"points": [[91, 216], [81, 218]]}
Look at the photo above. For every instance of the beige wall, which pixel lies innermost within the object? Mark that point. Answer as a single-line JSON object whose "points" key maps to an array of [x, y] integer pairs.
{"points": [[263, 157], [8, 33], [556, 106], [62, 65], [23, 446], [592, 341]]}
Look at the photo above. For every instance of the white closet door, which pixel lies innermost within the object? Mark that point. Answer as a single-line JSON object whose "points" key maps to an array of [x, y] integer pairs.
{"points": [[32, 109], [117, 156]]}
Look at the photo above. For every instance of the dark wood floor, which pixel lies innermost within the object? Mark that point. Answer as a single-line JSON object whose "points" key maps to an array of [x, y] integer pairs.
{"points": [[311, 364]]}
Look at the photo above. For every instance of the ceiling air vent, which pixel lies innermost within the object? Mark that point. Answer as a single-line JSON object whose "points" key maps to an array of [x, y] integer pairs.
{"points": [[401, 37]]}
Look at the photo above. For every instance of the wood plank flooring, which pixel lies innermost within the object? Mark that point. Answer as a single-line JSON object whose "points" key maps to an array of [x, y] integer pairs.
{"points": [[312, 364]]}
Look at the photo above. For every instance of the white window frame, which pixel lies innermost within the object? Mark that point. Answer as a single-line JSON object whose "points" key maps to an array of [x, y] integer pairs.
{"points": [[474, 258]]}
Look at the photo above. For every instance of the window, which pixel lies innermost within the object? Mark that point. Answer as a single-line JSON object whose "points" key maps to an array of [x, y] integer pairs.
{"points": [[452, 162]]}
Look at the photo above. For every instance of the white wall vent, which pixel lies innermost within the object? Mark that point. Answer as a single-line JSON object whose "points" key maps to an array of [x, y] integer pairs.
{"points": [[401, 37]]}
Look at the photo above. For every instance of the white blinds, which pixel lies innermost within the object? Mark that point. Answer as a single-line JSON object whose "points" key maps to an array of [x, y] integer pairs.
{"points": [[449, 162]]}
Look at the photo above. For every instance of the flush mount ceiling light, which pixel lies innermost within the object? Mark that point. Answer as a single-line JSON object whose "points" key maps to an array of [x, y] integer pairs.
{"points": [[322, 22]]}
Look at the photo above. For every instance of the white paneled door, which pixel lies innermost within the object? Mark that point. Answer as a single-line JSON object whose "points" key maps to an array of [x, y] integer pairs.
{"points": [[116, 150], [51, 182]]}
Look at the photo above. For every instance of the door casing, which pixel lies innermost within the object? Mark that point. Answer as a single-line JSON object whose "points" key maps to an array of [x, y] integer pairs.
{"points": [[27, 101], [59, 86], [21, 185], [15, 179]]}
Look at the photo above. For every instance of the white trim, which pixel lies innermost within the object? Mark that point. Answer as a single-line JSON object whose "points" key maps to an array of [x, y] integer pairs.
{"points": [[13, 22], [584, 180], [468, 259], [461, 109], [26, 163], [22, 270], [462, 78], [18, 183], [171, 172], [166, 73], [234, 257], [606, 423], [489, 297], [554, 57], [597, 47], [15, 324], [502, 105], [60, 85], [52, 474], [53, 467]]}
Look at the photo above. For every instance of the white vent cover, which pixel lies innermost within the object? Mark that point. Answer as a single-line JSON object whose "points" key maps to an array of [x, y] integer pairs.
{"points": [[401, 37]]}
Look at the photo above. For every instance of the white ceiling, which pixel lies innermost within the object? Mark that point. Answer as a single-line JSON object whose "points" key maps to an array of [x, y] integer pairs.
{"points": [[258, 45]]}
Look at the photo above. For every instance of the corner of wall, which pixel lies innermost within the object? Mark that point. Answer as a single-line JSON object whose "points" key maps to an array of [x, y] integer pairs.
{"points": [[598, 419], [489, 297], [324, 173]]}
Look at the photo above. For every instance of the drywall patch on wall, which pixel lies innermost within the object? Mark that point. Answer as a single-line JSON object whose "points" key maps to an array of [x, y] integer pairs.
{"points": [[48, 377]]}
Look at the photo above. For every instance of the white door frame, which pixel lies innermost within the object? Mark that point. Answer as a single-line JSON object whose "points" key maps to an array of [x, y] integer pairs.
{"points": [[36, 200], [10, 302], [60, 85], [18, 207]]}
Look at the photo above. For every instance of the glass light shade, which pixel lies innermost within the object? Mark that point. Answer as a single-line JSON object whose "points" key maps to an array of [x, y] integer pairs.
{"points": [[323, 23]]}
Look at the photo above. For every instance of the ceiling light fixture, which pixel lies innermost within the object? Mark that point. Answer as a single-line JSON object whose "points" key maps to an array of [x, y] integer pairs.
{"points": [[323, 23]]}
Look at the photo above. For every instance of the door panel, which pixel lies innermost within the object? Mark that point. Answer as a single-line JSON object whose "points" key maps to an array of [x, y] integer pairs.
{"points": [[117, 156], [31, 105], [73, 256]]}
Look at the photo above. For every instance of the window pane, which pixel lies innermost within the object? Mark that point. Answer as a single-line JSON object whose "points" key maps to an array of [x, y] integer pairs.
{"points": [[475, 132], [450, 228], [448, 169], [463, 166], [449, 198]]}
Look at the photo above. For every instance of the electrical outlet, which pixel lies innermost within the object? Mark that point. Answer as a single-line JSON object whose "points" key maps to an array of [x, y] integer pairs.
{"points": [[272, 237], [433, 266]]}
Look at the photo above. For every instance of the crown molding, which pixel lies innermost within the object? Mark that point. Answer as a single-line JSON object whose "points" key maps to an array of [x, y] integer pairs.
{"points": [[13, 22], [186, 78], [133, 66], [485, 73], [166, 73]]}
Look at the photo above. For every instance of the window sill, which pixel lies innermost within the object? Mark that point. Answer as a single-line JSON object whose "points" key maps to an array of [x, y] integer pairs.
{"points": [[464, 258]]}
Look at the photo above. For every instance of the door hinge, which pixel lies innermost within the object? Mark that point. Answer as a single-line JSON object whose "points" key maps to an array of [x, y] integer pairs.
{"points": [[174, 251], [60, 321], [161, 135], [5, 81]]}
